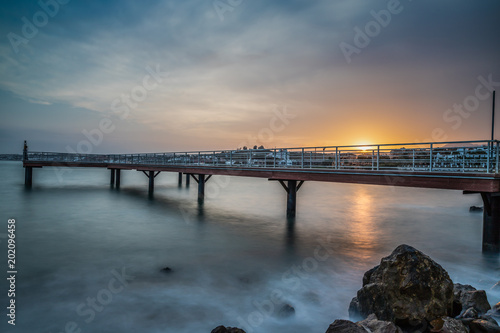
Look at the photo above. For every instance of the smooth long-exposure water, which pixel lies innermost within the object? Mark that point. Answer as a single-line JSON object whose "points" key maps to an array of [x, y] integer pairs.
{"points": [[90, 258]]}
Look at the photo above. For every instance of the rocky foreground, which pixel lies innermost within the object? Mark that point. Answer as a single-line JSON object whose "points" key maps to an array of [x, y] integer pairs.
{"points": [[409, 292]]}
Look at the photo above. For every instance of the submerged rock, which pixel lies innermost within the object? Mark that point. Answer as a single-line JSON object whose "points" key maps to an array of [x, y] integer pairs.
{"points": [[408, 288], [222, 329], [285, 311], [167, 270]]}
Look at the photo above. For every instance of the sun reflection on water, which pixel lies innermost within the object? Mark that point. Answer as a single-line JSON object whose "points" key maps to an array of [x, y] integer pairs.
{"points": [[363, 228]]}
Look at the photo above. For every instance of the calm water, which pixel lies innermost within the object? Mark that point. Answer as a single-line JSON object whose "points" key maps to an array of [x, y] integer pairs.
{"points": [[233, 260]]}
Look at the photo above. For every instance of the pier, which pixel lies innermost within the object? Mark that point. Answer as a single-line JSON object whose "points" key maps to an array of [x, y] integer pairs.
{"points": [[468, 166]]}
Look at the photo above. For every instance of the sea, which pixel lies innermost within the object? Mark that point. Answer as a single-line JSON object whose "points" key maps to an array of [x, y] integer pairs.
{"points": [[92, 258]]}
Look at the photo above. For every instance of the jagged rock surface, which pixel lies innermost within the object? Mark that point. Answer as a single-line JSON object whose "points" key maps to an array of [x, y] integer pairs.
{"points": [[407, 288]]}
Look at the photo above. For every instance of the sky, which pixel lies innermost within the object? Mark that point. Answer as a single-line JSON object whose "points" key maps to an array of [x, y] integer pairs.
{"points": [[123, 76]]}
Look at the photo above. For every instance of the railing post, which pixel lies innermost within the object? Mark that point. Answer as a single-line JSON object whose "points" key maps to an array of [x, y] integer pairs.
{"points": [[430, 158], [378, 158], [199, 158], [413, 167], [275, 158], [496, 162], [231, 158], [373, 159], [302, 159], [213, 158], [336, 158], [463, 160], [310, 160], [488, 157]]}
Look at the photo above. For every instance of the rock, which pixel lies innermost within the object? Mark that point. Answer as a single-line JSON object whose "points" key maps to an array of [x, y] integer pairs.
{"points": [[368, 275], [372, 324], [354, 310], [312, 298], [495, 311], [483, 326], [475, 209], [343, 326], [167, 270], [285, 311], [470, 313], [489, 318], [222, 329], [448, 325], [453, 326], [407, 288], [468, 297]]}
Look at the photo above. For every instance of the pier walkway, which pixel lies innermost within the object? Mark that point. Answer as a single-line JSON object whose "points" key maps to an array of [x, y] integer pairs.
{"points": [[468, 166]]}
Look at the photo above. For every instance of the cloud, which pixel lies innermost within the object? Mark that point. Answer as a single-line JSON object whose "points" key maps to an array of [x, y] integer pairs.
{"points": [[225, 76]]}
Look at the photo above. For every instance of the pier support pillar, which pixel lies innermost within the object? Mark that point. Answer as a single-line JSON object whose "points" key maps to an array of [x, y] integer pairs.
{"points": [[28, 176], [201, 180], [291, 203], [180, 179], [291, 189], [151, 176], [118, 178], [188, 180], [491, 222], [201, 188], [112, 180]]}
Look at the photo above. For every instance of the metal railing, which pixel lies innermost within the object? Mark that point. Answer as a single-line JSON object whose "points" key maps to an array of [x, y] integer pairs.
{"points": [[457, 156]]}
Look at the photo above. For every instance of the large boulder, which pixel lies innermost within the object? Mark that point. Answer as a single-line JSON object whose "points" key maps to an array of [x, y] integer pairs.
{"points": [[407, 288]]}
